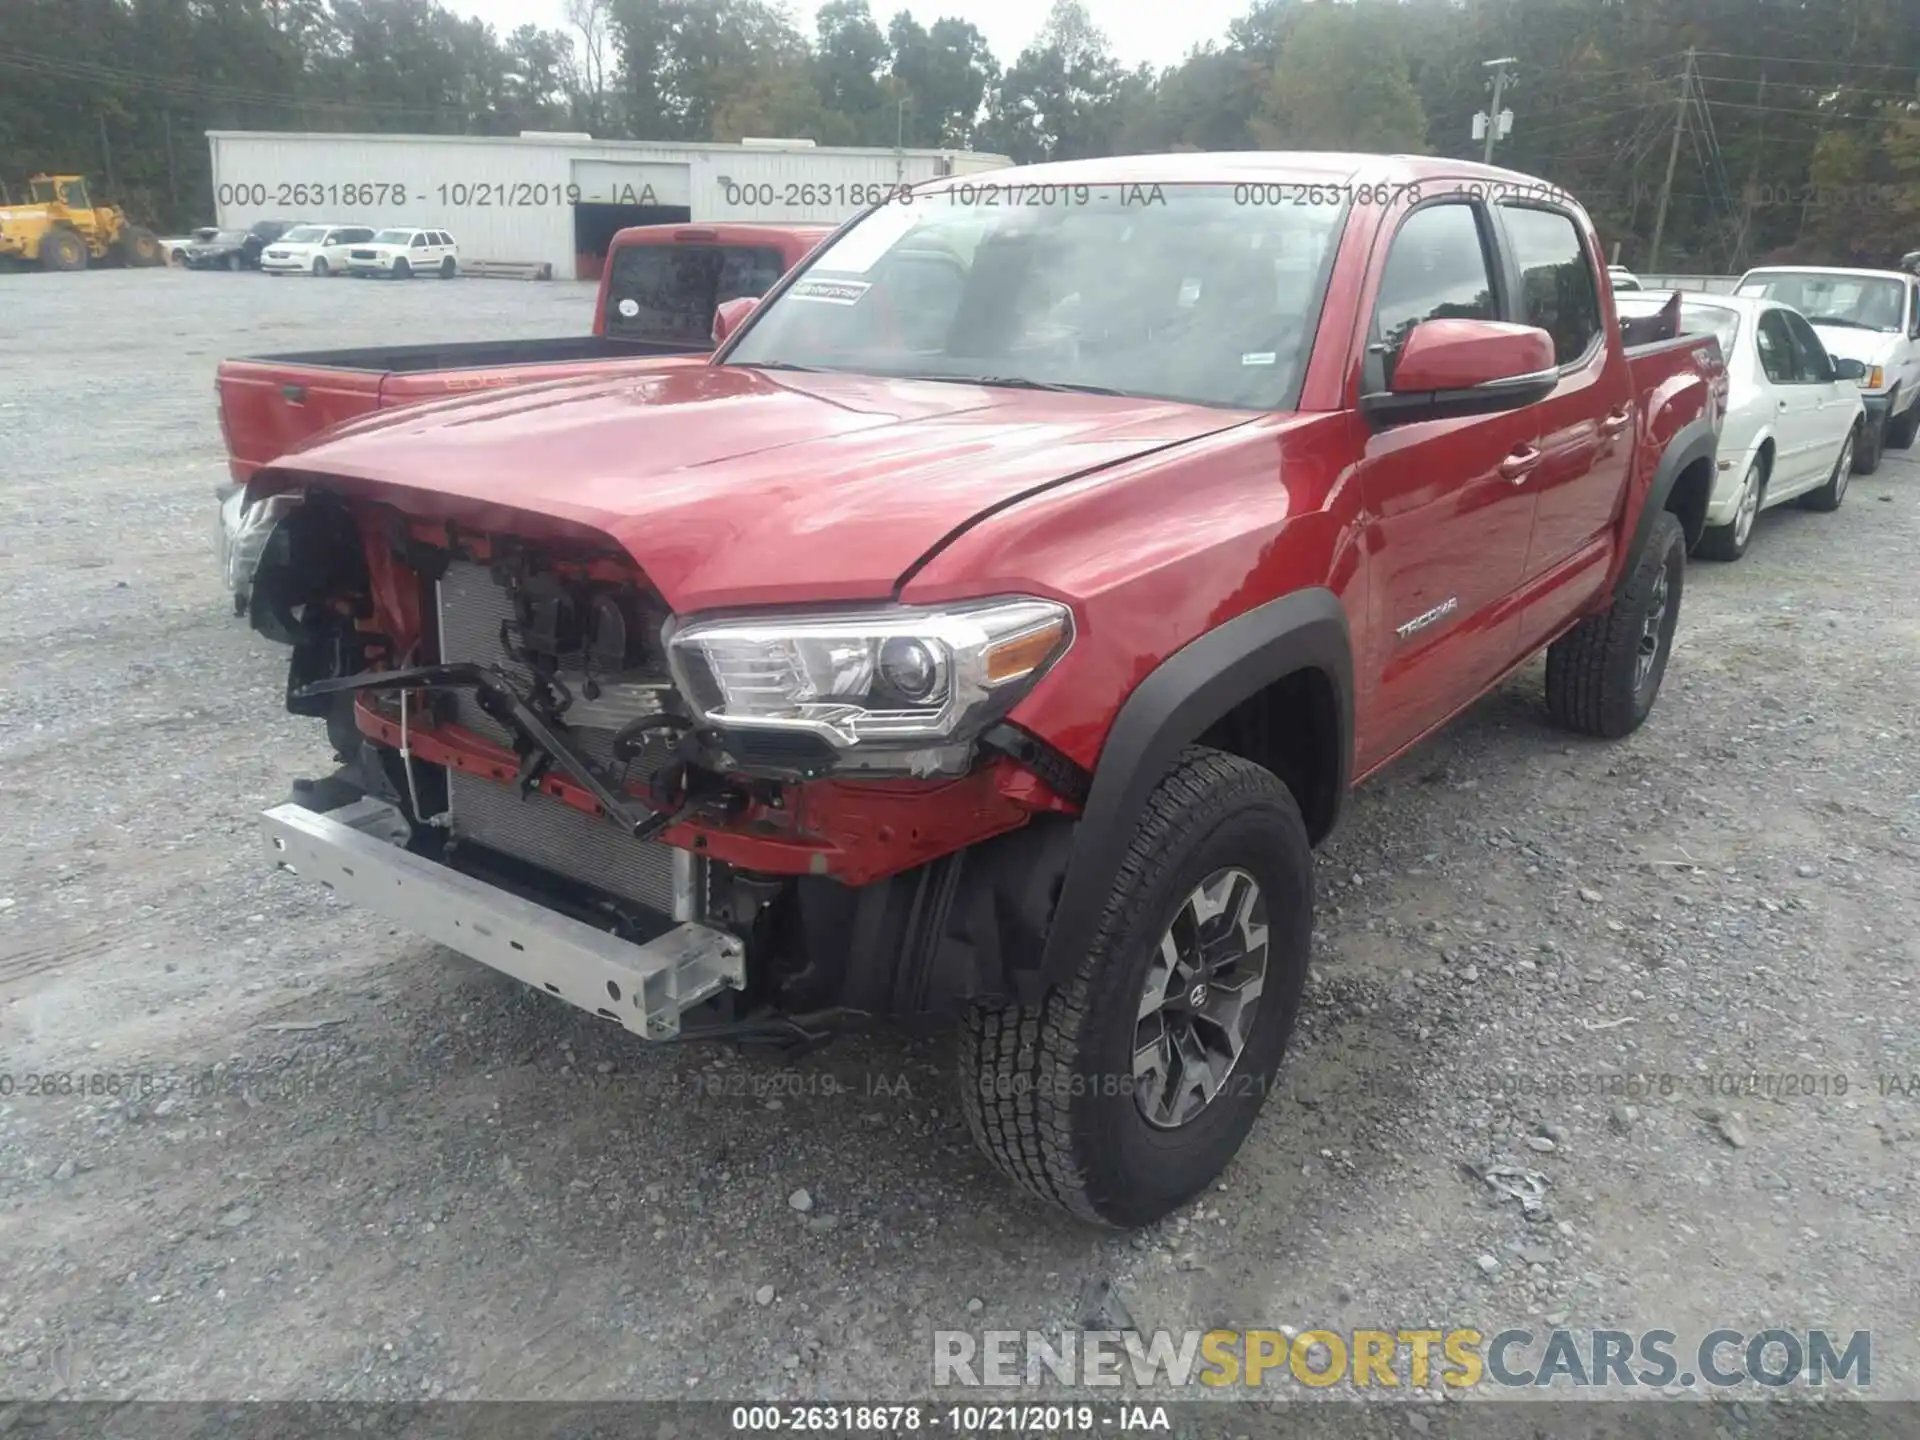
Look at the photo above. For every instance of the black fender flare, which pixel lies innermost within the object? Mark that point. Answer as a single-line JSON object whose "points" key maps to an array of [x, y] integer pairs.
{"points": [[1693, 443], [1170, 709]]}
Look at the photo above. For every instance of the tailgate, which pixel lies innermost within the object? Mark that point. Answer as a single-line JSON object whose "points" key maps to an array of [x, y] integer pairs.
{"points": [[404, 389], [267, 408]]}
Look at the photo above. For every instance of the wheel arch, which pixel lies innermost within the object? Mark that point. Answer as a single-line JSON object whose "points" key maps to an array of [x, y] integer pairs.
{"points": [[1274, 685], [1683, 484]]}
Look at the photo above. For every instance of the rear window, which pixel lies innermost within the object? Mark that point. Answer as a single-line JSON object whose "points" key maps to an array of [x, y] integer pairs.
{"points": [[668, 293]]}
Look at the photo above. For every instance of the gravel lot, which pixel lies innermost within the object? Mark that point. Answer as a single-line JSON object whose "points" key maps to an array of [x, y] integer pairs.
{"points": [[399, 1176]]}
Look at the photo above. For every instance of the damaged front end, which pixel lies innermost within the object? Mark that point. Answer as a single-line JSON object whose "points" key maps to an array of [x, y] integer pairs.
{"points": [[747, 820]]}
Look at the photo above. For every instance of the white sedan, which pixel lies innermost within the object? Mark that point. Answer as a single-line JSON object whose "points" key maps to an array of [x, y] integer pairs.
{"points": [[1794, 413], [313, 249]]}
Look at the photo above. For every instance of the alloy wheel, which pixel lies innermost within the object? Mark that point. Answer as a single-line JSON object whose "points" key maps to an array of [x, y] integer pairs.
{"points": [[1749, 506], [1198, 1003], [1650, 631]]}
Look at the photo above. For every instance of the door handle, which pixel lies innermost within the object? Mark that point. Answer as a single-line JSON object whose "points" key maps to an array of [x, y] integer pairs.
{"points": [[295, 394], [1517, 466], [1616, 420]]}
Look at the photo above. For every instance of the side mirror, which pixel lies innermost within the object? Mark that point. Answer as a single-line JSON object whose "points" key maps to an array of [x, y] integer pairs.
{"points": [[1849, 370], [730, 315], [1451, 368]]}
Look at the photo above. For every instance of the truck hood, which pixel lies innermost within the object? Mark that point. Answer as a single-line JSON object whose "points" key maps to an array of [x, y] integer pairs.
{"points": [[730, 485], [1869, 347]]}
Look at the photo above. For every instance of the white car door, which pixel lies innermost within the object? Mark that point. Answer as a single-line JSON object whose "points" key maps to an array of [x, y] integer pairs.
{"points": [[1794, 406], [1833, 402], [1910, 346]]}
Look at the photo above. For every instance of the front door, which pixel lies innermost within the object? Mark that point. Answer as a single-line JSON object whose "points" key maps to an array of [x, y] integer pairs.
{"points": [[1796, 406], [1831, 402], [1585, 427], [1448, 506]]}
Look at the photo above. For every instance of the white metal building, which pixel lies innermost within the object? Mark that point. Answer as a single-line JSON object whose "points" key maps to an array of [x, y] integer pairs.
{"points": [[553, 198]]}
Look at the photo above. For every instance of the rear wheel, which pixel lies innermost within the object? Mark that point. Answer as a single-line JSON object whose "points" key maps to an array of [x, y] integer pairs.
{"points": [[1603, 675], [448, 268], [1729, 541], [1829, 495], [1128, 1089], [63, 250], [320, 265], [402, 270]]}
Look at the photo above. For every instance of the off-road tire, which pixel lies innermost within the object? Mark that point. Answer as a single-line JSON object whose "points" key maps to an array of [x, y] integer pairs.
{"points": [[448, 269], [1592, 684], [1901, 429], [402, 270], [62, 250], [140, 248], [1047, 1089], [1726, 542], [1828, 497], [1867, 448]]}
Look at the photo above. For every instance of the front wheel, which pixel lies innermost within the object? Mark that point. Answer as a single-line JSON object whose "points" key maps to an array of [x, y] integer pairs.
{"points": [[1900, 429], [1867, 447], [235, 264], [1829, 495], [402, 270], [1603, 675], [1127, 1090], [320, 266], [1729, 541]]}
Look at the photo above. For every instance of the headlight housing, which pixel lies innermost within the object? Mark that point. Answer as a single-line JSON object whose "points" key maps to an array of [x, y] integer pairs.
{"points": [[897, 678], [1874, 379]]}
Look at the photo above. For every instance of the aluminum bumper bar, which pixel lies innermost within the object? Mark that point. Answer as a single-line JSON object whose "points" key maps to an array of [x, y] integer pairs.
{"points": [[645, 987]]}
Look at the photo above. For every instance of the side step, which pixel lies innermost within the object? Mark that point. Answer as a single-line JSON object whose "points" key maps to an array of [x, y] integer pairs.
{"points": [[356, 851]]}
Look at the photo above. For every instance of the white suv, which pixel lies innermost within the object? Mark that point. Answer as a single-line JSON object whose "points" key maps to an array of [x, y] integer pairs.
{"points": [[404, 253], [313, 249]]}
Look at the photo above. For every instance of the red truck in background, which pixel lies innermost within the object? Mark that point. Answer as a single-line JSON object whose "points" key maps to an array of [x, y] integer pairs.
{"points": [[658, 293], [1073, 543]]}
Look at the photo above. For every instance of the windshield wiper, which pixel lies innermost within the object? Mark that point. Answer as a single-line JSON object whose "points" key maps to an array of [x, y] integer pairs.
{"points": [[779, 365], [1019, 382]]}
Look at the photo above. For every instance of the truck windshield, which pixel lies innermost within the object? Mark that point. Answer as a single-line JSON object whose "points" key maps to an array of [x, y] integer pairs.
{"points": [[305, 235], [668, 292], [1184, 292], [1861, 302]]}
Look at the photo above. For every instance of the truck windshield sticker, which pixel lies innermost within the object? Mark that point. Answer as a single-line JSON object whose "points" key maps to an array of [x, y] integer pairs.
{"points": [[629, 307], [830, 292], [1260, 357]]}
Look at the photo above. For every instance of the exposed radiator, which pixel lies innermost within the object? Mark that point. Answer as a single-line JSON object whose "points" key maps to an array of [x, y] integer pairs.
{"points": [[539, 829]]}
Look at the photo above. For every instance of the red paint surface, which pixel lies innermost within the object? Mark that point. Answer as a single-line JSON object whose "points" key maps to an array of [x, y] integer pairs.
{"points": [[1156, 522]]}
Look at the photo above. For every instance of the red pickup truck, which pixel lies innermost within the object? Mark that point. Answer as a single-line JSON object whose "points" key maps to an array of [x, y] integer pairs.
{"points": [[658, 293], [1074, 542]]}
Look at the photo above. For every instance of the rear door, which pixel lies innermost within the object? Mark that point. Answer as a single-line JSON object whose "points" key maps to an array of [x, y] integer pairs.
{"points": [[1829, 403], [1796, 406], [1448, 509]]}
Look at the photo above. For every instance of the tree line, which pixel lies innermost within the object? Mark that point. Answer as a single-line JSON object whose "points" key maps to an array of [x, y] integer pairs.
{"points": [[1773, 129]]}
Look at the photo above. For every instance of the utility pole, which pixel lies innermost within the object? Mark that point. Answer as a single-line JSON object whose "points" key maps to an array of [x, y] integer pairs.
{"points": [[173, 183], [899, 138], [1753, 177], [1673, 160], [106, 152], [1494, 128]]}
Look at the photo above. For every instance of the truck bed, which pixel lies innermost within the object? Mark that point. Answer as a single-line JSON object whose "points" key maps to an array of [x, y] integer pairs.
{"points": [[270, 403]]}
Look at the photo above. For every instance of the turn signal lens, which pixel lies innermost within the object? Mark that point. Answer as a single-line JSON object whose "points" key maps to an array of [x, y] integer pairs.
{"points": [[1023, 654]]}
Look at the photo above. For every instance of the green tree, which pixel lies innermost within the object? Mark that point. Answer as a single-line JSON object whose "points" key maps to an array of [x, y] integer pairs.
{"points": [[1341, 84]]}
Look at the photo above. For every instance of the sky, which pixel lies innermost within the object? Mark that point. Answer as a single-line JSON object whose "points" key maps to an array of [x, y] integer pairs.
{"points": [[1151, 31]]}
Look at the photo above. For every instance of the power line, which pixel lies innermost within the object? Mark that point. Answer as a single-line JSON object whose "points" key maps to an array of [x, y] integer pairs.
{"points": [[1807, 114], [1908, 69]]}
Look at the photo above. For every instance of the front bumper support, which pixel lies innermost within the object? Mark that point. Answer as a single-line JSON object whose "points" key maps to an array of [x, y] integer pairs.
{"points": [[357, 851]]}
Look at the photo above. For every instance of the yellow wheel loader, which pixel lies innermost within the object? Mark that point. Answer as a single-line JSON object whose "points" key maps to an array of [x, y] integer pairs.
{"points": [[60, 228]]}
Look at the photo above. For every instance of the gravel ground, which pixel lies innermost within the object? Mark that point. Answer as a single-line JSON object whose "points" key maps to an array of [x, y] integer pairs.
{"points": [[395, 1175]]}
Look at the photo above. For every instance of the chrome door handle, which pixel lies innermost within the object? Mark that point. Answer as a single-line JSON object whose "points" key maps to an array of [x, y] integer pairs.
{"points": [[1517, 466], [1615, 420]]}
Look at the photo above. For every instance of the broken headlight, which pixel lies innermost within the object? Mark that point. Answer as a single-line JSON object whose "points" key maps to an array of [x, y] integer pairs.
{"points": [[903, 676]]}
